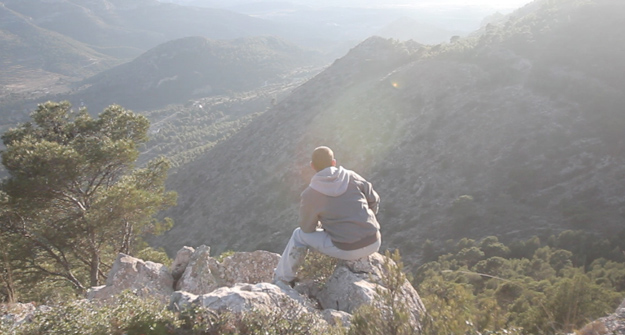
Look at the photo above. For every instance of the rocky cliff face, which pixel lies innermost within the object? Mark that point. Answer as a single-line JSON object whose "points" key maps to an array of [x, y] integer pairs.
{"points": [[242, 282], [520, 119]]}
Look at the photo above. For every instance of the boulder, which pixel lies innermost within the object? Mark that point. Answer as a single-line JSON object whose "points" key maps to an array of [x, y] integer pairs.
{"points": [[244, 297], [337, 318], [183, 257], [143, 278], [204, 274], [346, 291], [240, 283], [356, 283], [249, 267], [201, 274]]}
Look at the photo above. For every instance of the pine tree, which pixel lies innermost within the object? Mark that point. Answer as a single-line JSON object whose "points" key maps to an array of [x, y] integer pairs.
{"points": [[74, 197]]}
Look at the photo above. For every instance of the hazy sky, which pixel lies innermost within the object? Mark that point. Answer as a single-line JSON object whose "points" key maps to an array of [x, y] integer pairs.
{"points": [[498, 5]]}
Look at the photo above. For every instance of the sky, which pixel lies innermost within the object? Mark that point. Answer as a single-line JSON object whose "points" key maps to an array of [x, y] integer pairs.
{"points": [[500, 5], [496, 5]]}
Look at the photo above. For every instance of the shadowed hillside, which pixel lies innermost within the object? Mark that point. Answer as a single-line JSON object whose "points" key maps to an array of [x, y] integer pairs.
{"points": [[510, 133], [127, 28], [195, 67], [27, 46]]}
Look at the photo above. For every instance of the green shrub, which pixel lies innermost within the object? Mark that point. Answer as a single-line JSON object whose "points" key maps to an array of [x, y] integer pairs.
{"points": [[127, 314], [286, 321], [538, 289], [317, 267]]}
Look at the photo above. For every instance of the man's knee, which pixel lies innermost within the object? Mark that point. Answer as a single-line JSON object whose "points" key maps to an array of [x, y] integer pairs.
{"points": [[297, 236]]}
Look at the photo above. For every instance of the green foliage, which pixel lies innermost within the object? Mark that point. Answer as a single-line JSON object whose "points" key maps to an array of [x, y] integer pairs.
{"points": [[538, 290], [223, 255], [151, 254], [74, 198], [183, 134], [317, 267], [284, 321], [128, 314], [131, 315]]}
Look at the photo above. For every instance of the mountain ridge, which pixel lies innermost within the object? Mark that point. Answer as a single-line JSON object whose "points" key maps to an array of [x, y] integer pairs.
{"points": [[195, 67], [459, 139]]}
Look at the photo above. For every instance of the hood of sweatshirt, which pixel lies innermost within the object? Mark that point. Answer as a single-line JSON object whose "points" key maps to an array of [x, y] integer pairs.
{"points": [[331, 181]]}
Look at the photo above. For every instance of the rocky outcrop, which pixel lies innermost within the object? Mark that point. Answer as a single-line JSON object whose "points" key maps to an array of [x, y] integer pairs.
{"points": [[242, 297], [143, 278], [183, 257], [199, 276], [357, 283], [241, 282], [613, 324], [204, 274]]}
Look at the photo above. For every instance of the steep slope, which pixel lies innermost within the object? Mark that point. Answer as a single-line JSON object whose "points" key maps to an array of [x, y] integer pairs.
{"points": [[515, 132], [195, 67]]}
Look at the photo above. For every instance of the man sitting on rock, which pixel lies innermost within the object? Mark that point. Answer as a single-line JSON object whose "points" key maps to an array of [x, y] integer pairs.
{"points": [[336, 218]]}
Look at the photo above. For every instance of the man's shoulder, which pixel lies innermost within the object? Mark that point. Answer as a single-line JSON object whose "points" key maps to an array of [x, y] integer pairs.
{"points": [[308, 191], [354, 175]]}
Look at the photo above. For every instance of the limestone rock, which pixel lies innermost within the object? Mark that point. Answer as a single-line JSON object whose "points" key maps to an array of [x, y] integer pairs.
{"points": [[240, 283], [354, 283], [143, 278], [181, 300], [346, 291], [201, 274], [612, 324], [183, 257], [249, 267], [334, 317], [245, 297]]}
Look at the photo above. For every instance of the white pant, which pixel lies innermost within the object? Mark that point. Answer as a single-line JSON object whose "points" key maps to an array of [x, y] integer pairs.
{"points": [[295, 252]]}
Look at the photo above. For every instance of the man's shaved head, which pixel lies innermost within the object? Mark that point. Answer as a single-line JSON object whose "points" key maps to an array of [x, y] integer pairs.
{"points": [[322, 158]]}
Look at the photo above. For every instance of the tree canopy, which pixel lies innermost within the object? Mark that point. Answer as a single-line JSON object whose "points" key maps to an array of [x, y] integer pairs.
{"points": [[74, 198]]}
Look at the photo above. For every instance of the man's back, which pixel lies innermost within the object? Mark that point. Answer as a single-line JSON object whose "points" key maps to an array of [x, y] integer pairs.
{"points": [[344, 203]]}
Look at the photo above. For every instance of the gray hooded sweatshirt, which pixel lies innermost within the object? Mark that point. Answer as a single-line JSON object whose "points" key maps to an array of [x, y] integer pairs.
{"points": [[345, 204]]}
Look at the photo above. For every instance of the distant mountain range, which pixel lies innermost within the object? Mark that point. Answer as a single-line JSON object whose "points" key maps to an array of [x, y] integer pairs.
{"points": [[195, 67], [516, 131], [64, 41], [125, 29], [24, 44]]}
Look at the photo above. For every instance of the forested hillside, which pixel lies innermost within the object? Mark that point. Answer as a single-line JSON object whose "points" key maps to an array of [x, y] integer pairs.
{"points": [[196, 67], [511, 132]]}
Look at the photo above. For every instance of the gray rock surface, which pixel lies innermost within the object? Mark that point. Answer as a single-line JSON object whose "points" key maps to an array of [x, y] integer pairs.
{"points": [[183, 257], [354, 284], [143, 278], [613, 324], [241, 283], [201, 274]]}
